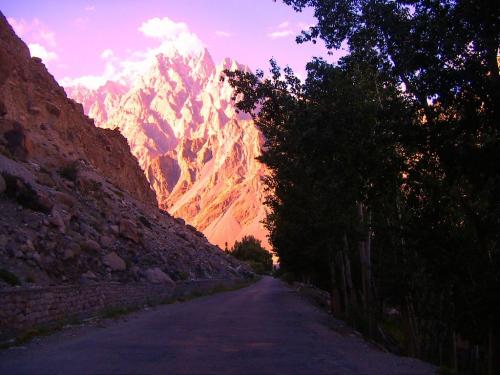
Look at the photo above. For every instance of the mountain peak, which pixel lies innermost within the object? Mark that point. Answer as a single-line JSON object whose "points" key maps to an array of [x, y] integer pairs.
{"points": [[198, 154]]}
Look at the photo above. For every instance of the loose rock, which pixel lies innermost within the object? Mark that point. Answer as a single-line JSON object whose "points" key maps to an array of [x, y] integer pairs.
{"points": [[91, 245], [113, 261], [129, 230], [157, 276]]}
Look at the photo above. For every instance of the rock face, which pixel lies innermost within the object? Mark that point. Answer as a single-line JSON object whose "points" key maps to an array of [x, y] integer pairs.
{"points": [[198, 154], [76, 206]]}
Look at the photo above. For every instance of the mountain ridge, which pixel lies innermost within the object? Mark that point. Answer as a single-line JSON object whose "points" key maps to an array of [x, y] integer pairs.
{"points": [[197, 152]]}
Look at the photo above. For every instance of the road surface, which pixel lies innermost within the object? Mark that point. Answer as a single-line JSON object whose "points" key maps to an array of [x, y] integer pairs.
{"points": [[266, 328]]}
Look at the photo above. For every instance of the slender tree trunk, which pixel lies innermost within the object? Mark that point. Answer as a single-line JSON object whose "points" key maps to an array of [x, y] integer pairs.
{"points": [[340, 261], [350, 295], [363, 263], [409, 321], [454, 363], [491, 368], [368, 267], [365, 259], [350, 288], [334, 294]]}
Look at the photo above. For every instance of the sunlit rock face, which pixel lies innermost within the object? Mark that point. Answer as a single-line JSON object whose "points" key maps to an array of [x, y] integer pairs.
{"points": [[196, 151]]}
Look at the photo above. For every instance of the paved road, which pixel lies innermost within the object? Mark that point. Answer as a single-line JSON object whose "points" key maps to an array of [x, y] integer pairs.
{"points": [[263, 329]]}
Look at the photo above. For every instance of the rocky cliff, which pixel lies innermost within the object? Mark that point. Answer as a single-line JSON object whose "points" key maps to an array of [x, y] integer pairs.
{"points": [[75, 204], [197, 152]]}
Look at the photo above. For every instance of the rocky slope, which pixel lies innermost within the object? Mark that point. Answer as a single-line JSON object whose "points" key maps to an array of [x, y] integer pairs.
{"points": [[75, 204], [196, 151]]}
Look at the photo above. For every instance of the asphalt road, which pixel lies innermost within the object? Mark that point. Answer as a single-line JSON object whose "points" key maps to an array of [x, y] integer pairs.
{"points": [[263, 329]]}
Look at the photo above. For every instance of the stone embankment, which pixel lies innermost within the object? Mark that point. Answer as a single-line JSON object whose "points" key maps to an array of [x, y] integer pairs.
{"points": [[25, 308]]}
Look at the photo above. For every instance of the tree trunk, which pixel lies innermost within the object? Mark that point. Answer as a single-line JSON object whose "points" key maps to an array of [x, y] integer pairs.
{"points": [[362, 259], [340, 258], [368, 267], [350, 288], [410, 324], [351, 296], [334, 294], [454, 364], [365, 259]]}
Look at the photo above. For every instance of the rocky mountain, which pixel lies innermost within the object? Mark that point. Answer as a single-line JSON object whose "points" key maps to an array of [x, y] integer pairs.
{"points": [[76, 206], [197, 153]]}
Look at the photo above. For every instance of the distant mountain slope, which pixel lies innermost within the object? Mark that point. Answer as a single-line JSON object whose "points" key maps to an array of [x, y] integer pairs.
{"points": [[196, 151]]}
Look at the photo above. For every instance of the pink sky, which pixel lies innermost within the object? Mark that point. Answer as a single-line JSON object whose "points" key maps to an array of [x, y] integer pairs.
{"points": [[102, 39]]}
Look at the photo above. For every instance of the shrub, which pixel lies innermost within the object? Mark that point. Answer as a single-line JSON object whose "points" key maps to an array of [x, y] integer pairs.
{"points": [[9, 277], [145, 222], [250, 250], [23, 193], [70, 171]]}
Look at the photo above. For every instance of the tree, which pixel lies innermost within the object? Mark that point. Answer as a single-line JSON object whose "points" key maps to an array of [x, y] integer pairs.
{"points": [[444, 55], [384, 177], [250, 250], [327, 151]]}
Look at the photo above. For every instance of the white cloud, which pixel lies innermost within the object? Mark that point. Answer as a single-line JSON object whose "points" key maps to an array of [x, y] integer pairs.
{"points": [[281, 34], [93, 81], [163, 28], [89, 8], [20, 27], [33, 31], [172, 37], [283, 25], [222, 34], [40, 51], [107, 54], [49, 37]]}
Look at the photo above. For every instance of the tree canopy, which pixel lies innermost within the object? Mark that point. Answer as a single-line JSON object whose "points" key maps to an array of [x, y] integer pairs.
{"points": [[384, 174], [250, 250]]}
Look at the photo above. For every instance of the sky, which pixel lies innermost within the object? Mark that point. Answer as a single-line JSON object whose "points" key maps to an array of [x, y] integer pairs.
{"points": [[88, 42]]}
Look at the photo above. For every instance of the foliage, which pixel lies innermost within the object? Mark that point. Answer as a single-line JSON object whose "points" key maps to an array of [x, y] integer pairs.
{"points": [[23, 193], [384, 167], [70, 171], [9, 277], [250, 250]]}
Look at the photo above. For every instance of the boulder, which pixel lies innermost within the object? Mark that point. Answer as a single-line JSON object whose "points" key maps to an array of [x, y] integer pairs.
{"points": [[88, 277], [69, 248], [113, 261], [52, 109], [114, 229], [56, 219], [157, 276], [44, 201], [91, 246], [64, 199], [37, 258], [69, 254], [106, 241], [129, 230]]}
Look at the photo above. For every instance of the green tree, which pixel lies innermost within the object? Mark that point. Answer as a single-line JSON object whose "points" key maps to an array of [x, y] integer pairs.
{"points": [[250, 250], [443, 53], [384, 175]]}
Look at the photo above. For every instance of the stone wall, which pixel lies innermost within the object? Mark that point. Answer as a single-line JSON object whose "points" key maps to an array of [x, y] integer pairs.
{"points": [[24, 308]]}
